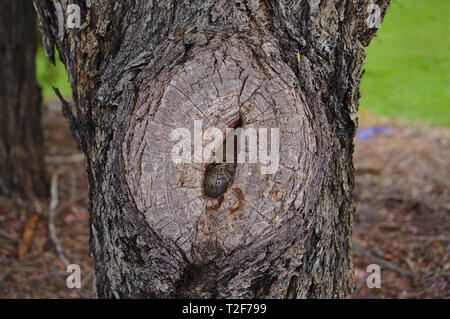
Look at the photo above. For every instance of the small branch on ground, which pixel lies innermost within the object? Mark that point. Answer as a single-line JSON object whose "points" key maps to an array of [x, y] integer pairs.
{"points": [[51, 218], [74, 158]]}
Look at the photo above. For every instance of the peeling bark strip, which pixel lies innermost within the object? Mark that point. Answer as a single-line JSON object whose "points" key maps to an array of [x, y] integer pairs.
{"points": [[141, 69]]}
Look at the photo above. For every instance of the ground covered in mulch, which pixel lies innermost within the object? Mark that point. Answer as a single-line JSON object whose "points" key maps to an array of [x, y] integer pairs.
{"points": [[402, 220]]}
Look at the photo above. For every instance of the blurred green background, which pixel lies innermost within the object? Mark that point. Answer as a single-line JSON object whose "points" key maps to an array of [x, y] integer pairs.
{"points": [[407, 69], [406, 74], [49, 76]]}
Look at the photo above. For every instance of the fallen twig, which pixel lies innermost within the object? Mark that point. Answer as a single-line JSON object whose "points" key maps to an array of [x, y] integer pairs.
{"points": [[383, 262], [75, 158], [51, 218], [72, 202]]}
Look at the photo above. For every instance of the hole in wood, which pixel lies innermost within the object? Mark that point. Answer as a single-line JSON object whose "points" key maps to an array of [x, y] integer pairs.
{"points": [[219, 176]]}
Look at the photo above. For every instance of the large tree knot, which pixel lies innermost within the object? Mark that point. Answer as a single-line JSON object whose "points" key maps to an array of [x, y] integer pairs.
{"points": [[224, 152]]}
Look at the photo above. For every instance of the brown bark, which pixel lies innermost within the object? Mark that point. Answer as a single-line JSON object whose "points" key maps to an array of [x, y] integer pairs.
{"points": [[22, 168], [139, 70]]}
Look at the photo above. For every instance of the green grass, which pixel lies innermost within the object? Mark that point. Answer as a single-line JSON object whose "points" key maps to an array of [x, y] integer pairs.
{"points": [[49, 76], [407, 70]]}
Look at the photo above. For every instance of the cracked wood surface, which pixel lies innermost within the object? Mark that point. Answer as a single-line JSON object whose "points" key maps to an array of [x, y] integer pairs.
{"points": [[220, 86], [140, 69]]}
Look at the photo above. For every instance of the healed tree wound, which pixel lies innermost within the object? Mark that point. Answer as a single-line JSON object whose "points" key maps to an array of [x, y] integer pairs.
{"points": [[219, 174], [217, 179], [222, 84]]}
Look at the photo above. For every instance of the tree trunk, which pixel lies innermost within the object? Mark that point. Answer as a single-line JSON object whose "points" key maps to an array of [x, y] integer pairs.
{"points": [[141, 69], [22, 168]]}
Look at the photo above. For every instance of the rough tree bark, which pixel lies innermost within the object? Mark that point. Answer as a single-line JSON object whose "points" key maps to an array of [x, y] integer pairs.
{"points": [[22, 168], [140, 69]]}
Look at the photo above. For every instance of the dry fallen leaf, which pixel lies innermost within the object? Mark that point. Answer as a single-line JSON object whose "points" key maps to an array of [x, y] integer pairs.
{"points": [[27, 235]]}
